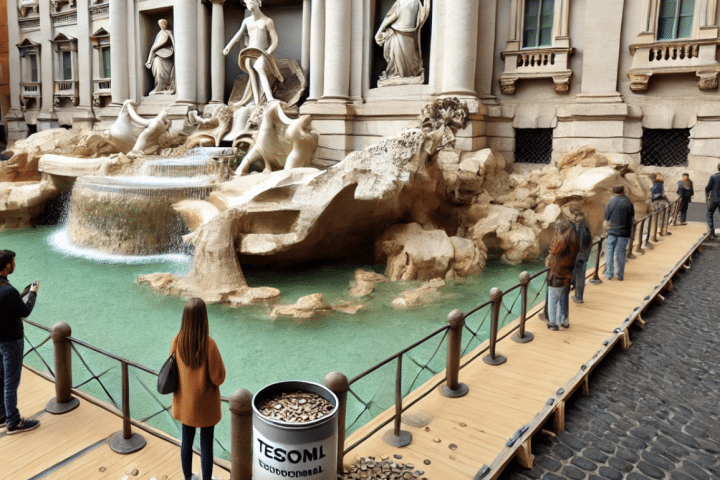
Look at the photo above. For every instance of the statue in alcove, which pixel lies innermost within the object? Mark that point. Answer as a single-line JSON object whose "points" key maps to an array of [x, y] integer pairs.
{"points": [[161, 60], [399, 35], [256, 59]]}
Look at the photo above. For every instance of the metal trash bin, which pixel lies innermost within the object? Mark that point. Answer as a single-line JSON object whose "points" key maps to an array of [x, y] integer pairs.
{"points": [[284, 450]]}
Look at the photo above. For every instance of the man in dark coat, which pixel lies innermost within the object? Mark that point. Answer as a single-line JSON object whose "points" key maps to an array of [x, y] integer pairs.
{"points": [[620, 214], [712, 196], [12, 310]]}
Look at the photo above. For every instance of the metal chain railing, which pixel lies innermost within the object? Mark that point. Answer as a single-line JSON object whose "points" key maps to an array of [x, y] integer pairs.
{"points": [[501, 308], [106, 382]]}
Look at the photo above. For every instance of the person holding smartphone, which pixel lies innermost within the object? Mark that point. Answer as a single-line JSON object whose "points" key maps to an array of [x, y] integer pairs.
{"points": [[13, 308]]}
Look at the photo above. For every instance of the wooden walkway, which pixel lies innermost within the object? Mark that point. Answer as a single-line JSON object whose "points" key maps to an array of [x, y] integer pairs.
{"points": [[74, 446], [475, 436], [478, 433]]}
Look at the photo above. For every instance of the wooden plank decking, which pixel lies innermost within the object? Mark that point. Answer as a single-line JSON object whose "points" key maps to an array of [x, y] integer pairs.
{"points": [[470, 437], [75, 445], [466, 435]]}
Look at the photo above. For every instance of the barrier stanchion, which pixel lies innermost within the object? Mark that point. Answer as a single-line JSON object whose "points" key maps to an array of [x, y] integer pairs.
{"points": [[62, 349]]}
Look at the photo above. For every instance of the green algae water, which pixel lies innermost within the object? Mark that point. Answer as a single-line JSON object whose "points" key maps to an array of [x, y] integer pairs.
{"points": [[98, 297]]}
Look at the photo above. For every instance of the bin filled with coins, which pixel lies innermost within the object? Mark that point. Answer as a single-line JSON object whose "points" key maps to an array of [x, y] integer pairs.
{"points": [[295, 432]]}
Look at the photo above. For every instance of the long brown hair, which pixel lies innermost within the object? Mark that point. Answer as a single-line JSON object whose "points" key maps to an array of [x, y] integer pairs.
{"points": [[194, 333]]}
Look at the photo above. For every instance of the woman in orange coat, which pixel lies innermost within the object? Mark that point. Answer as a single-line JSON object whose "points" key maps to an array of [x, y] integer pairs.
{"points": [[196, 402]]}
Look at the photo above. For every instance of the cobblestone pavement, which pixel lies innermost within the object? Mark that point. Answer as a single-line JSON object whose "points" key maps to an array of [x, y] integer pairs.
{"points": [[654, 410]]}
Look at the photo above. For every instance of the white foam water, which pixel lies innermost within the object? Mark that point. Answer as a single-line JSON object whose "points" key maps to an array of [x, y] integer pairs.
{"points": [[59, 241]]}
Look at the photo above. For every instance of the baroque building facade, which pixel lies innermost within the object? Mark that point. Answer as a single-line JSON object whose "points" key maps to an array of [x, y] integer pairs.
{"points": [[540, 77]]}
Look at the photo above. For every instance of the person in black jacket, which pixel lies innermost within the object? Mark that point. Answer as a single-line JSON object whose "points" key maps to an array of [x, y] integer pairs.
{"points": [[585, 241], [685, 190], [12, 310], [712, 196], [620, 214]]}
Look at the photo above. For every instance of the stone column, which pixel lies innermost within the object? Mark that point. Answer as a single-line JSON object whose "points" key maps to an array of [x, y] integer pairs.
{"points": [[461, 37], [317, 48], [306, 29], [83, 117], [338, 25], [16, 127], [185, 33], [46, 117], [217, 59], [486, 49], [601, 51], [118, 49]]}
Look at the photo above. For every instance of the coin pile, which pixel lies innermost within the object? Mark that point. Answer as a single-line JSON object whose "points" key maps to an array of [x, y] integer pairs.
{"points": [[295, 407], [383, 469]]}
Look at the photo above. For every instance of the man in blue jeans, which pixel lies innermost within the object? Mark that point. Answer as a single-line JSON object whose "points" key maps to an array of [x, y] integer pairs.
{"points": [[712, 195], [620, 215], [12, 310]]}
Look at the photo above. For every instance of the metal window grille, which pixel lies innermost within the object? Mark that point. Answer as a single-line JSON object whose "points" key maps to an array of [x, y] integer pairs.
{"points": [[665, 147], [533, 145]]}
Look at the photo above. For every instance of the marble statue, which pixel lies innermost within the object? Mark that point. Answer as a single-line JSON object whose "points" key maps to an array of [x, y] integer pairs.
{"points": [[161, 60], [149, 139], [282, 142], [399, 35], [261, 40]]}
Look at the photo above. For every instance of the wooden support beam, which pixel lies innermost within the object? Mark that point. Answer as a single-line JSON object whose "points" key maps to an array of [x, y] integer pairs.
{"points": [[585, 388], [659, 299], [524, 454], [548, 433], [559, 418], [639, 320], [669, 285], [626, 340]]}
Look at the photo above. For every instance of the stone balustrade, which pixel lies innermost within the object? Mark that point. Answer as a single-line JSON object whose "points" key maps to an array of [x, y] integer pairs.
{"points": [[677, 56], [551, 62]]}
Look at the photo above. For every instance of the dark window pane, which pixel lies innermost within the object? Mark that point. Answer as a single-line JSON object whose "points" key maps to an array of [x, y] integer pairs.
{"points": [[106, 62], [531, 23], [66, 65]]}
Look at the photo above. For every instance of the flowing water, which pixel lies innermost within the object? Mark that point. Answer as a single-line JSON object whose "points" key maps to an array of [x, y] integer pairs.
{"points": [[97, 295]]}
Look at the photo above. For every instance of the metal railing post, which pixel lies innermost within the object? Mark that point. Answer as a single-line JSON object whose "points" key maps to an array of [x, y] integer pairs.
{"points": [[338, 384], [662, 222], [62, 349], [640, 237], [596, 275], [649, 245], [126, 442], [632, 240], [666, 221], [453, 388], [655, 230], [241, 435], [397, 437], [491, 358], [521, 336]]}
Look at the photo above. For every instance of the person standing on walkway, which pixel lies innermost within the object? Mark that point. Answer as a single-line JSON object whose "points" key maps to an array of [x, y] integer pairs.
{"points": [[657, 191], [585, 245], [620, 214], [196, 402], [712, 196], [12, 310], [685, 191], [561, 262]]}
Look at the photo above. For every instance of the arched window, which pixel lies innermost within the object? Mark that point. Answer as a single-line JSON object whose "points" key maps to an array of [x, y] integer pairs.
{"points": [[538, 23], [675, 19]]}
